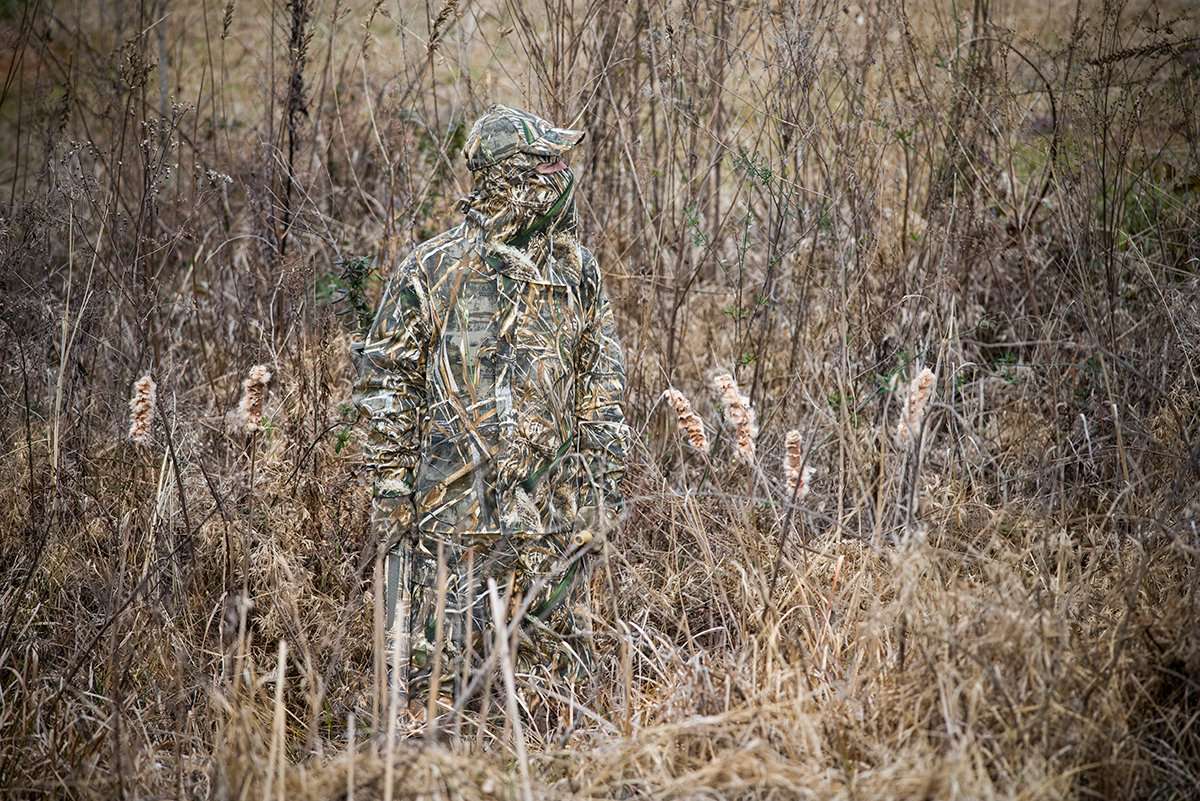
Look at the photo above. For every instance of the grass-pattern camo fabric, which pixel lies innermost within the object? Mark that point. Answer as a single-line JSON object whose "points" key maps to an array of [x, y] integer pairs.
{"points": [[493, 382], [503, 132]]}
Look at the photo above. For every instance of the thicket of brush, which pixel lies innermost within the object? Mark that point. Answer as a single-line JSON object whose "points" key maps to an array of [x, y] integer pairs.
{"points": [[819, 199]]}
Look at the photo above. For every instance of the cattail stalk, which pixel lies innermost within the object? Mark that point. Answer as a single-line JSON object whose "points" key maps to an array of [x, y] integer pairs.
{"points": [[738, 415], [690, 423], [254, 395], [920, 390], [141, 411]]}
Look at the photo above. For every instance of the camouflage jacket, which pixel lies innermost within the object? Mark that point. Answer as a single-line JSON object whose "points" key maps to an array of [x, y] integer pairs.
{"points": [[494, 390]]}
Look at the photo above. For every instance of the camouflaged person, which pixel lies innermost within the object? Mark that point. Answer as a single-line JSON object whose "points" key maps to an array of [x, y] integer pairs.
{"points": [[493, 383]]}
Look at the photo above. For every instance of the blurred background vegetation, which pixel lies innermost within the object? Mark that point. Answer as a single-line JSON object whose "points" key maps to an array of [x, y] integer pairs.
{"points": [[819, 197]]}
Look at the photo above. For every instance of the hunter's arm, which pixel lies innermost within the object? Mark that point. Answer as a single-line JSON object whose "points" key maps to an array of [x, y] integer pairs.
{"points": [[390, 390], [600, 394]]}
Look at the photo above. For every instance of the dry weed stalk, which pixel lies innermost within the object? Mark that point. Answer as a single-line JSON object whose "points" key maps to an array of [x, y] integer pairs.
{"points": [[690, 423], [438, 29], [797, 474], [254, 394], [920, 390], [227, 20], [276, 758], [141, 411], [738, 414], [510, 688]]}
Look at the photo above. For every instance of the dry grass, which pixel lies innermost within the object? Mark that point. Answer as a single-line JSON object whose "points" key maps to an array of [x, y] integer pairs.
{"points": [[811, 198]]}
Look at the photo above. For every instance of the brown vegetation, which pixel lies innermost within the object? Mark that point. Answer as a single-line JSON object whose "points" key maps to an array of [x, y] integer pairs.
{"points": [[813, 198]]}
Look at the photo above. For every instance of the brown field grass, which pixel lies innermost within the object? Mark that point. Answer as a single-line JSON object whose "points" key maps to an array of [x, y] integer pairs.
{"points": [[993, 595]]}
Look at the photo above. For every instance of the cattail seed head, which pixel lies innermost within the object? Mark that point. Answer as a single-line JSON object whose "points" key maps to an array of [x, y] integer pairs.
{"points": [[920, 390], [254, 395], [797, 474], [141, 411], [690, 423], [738, 415]]}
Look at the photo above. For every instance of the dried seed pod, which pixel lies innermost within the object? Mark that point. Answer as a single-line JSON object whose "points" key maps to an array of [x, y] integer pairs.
{"points": [[141, 411], [738, 414], [797, 475], [920, 390], [254, 396], [690, 423]]}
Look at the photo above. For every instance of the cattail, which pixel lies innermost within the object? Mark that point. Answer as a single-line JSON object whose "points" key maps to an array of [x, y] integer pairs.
{"points": [[689, 422], [254, 393], [798, 477], [738, 414], [920, 389], [141, 411]]}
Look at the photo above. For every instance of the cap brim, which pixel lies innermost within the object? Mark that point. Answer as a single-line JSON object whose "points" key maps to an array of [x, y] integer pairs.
{"points": [[555, 141]]}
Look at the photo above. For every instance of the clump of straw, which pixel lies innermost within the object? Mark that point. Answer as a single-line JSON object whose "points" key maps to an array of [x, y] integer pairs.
{"points": [[254, 394], [797, 474], [920, 390], [738, 415], [141, 411], [689, 422]]}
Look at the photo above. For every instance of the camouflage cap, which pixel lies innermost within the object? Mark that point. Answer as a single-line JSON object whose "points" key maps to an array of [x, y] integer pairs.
{"points": [[503, 131]]}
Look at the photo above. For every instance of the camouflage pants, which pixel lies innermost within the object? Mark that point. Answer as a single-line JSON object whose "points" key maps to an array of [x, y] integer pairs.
{"points": [[541, 577]]}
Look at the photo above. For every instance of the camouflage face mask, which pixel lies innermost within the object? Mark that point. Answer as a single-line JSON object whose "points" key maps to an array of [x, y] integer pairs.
{"points": [[513, 201]]}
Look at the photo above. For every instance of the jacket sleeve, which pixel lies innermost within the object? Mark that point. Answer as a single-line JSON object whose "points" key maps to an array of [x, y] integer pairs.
{"points": [[390, 390], [600, 394]]}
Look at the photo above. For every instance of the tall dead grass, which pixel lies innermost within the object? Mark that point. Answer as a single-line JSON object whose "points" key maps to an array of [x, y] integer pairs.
{"points": [[811, 198]]}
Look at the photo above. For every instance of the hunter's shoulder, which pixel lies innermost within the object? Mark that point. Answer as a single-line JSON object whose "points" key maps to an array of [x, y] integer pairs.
{"points": [[440, 250]]}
